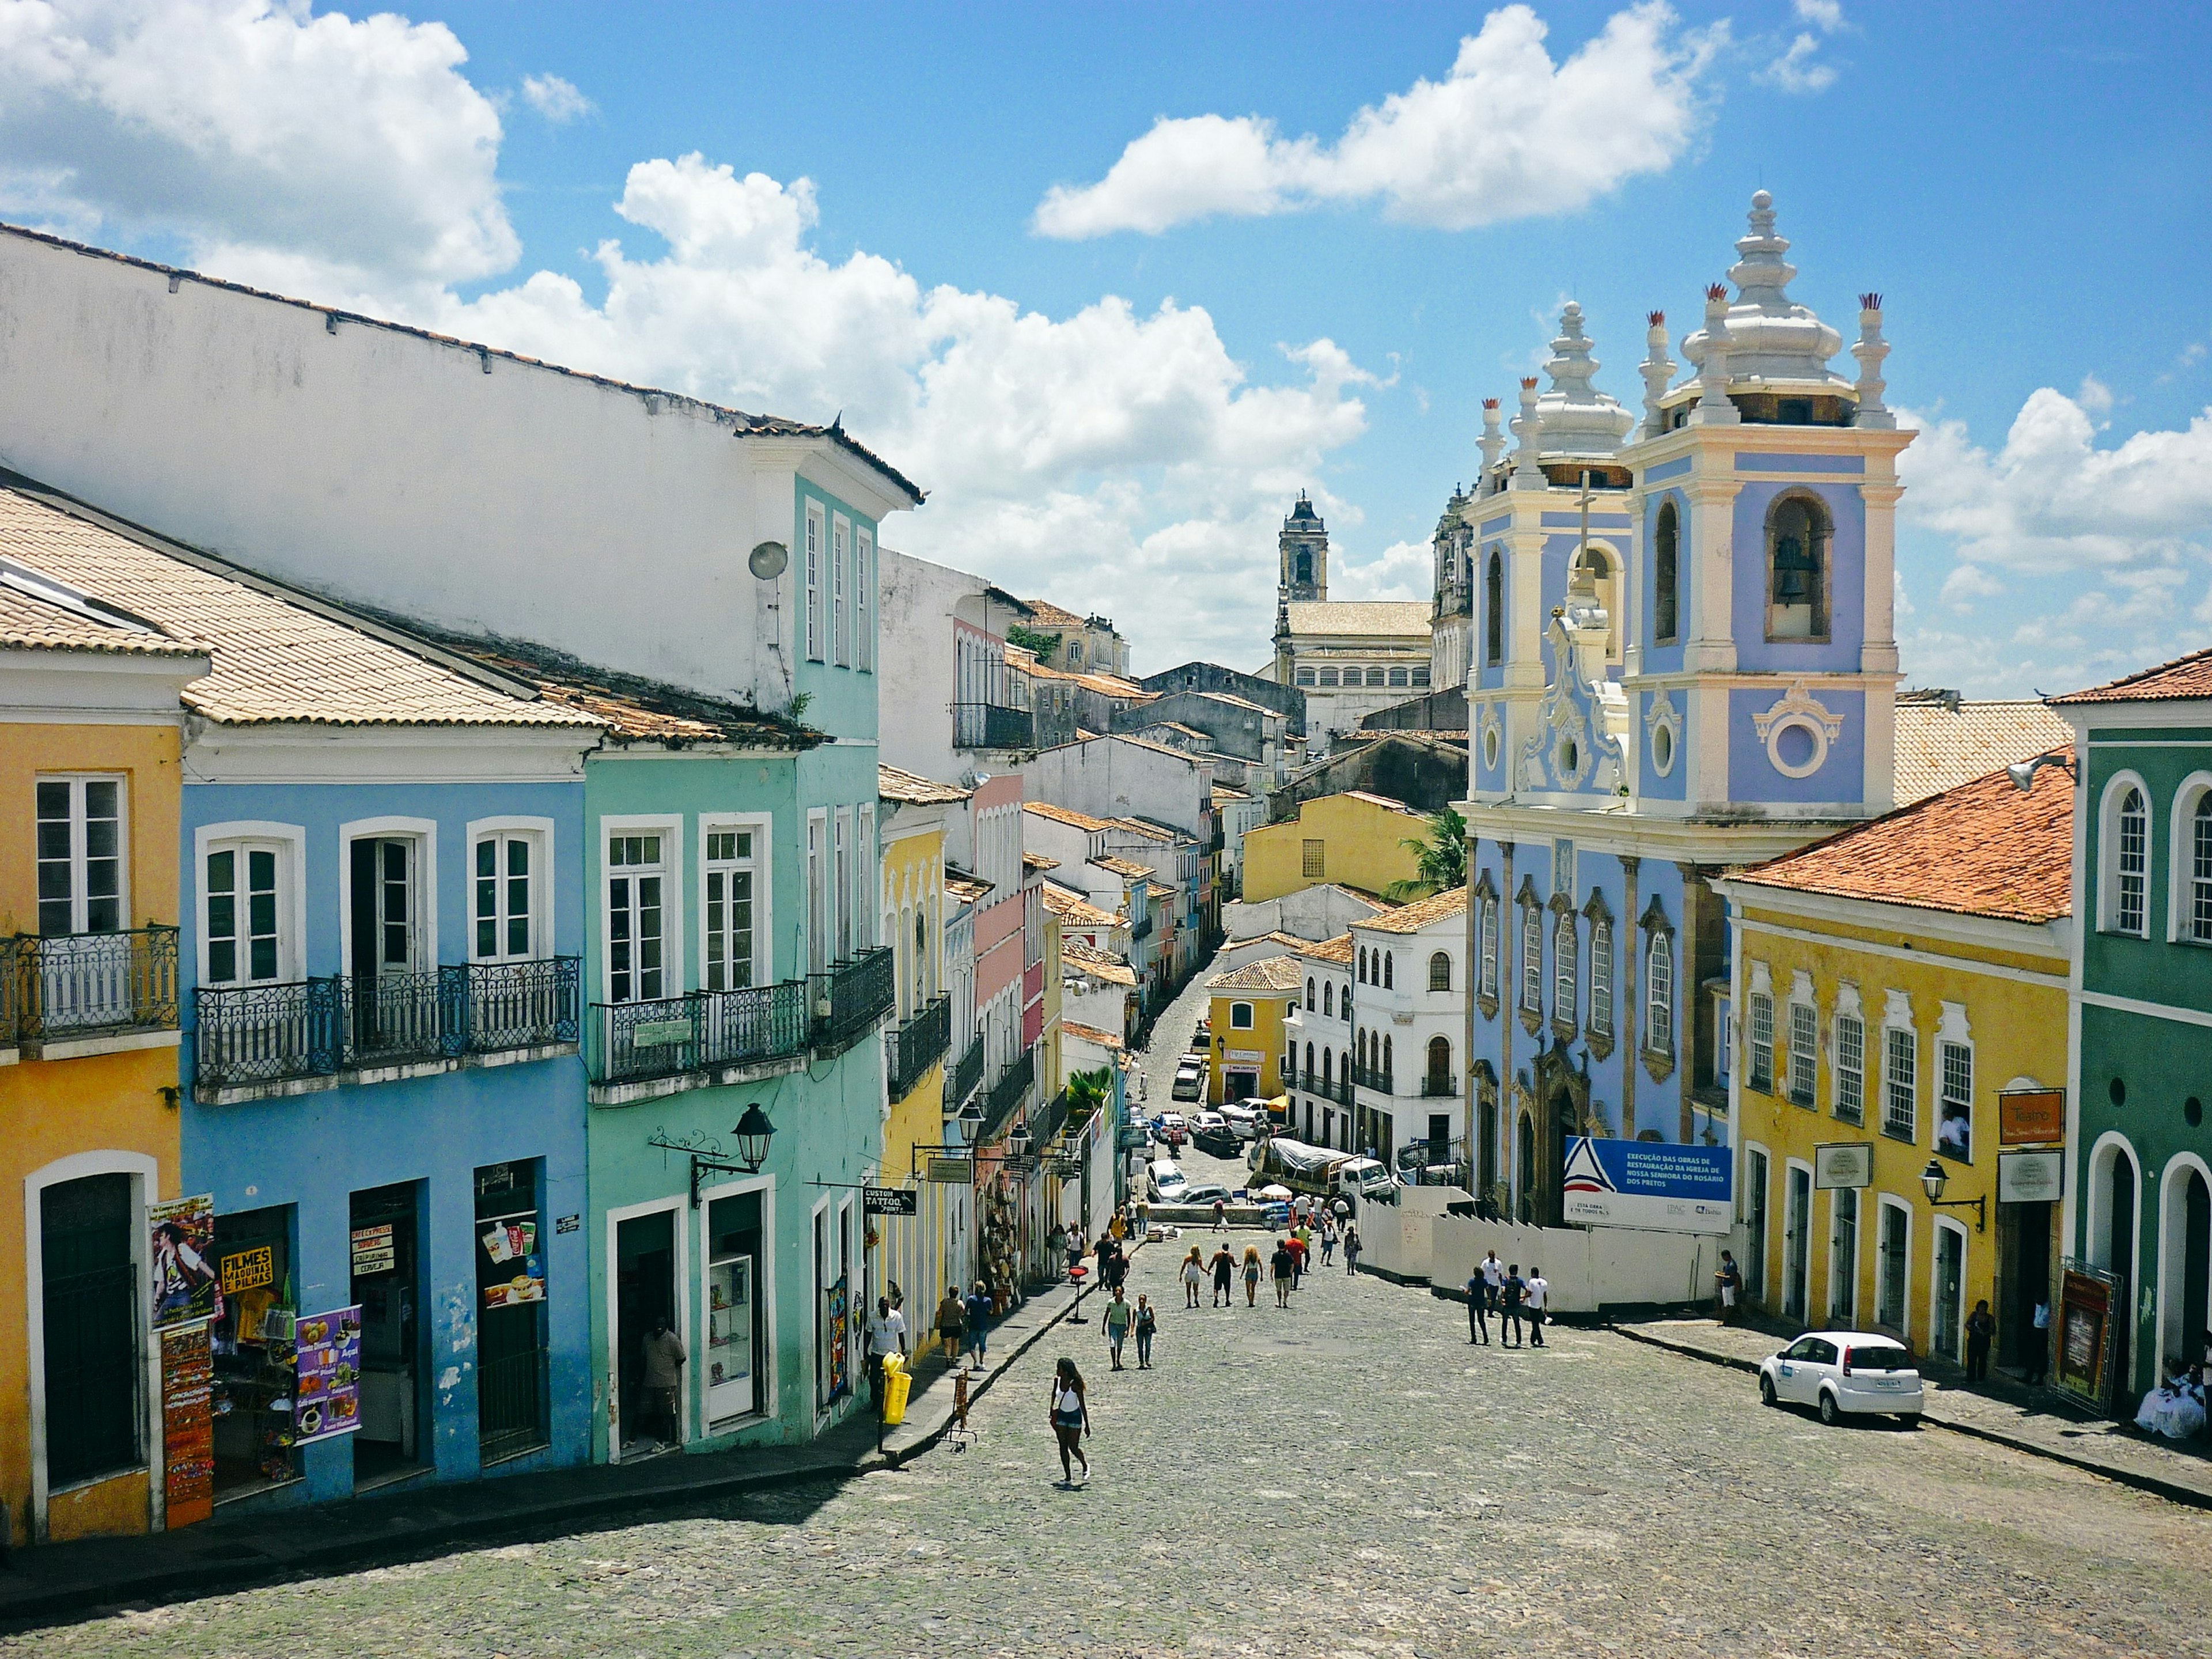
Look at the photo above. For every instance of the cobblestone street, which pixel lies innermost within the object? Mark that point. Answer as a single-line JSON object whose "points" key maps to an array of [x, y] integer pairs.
{"points": [[1346, 1477]]}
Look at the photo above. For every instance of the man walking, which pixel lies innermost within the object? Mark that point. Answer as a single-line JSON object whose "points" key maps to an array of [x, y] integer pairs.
{"points": [[1282, 1263], [1493, 1281], [1225, 1274], [1509, 1307], [1220, 1215], [886, 1337], [1536, 1290], [1727, 1283], [662, 1383], [1478, 1309], [1295, 1245], [979, 1323]]}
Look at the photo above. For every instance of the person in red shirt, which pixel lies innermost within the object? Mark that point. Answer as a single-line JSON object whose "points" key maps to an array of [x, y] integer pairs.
{"points": [[1297, 1247]]}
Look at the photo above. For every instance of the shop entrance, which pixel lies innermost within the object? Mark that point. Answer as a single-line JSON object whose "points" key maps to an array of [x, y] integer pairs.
{"points": [[2027, 1281], [90, 1298], [253, 1356], [2120, 1262], [1755, 1180], [645, 1296], [386, 1282], [1796, 1243], [511, 1414], [1242, 1085], [737, 1334], [1949, 1315]]}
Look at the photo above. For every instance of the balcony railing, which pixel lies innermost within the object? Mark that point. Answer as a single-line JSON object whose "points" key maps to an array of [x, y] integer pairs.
{"points": [[1370, 1077], [84, 985], [244, 1034], [967, 1074], [1436, 1088], [992, 726], [916, 1046], [637, 1041], [1140, 928], [1326, 1088], [857, 993], [11, 992], [1048, 1119], [1005, 1096]]}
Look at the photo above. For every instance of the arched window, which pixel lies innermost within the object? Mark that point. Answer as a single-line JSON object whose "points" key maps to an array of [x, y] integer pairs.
{"points": [[1488, 983], [1386, 1059], [921, 958], [1439, 1078], [1797, 568], [1659, 994], [1440, 971], [1328, 998], [2200, 871], [1494, 609], [1327, 1055], [1361, 1042], [1389, 959], [1601, 1008], [1532, 958], [1604, 575], [1666, 539], [1360, 971], [1310, 993], [2130, 867], [1304, 565], [1310, 1065], [1566, 969]]}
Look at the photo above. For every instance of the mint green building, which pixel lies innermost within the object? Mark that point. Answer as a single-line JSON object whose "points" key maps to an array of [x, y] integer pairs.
{"points": [[2138, 1207]]}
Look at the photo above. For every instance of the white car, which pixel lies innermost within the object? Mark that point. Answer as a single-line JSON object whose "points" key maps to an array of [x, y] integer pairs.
{"points": [[1167, 1181], [1840, 1373], [1189, 1085], [1243, 1118], [1208, 1120]]}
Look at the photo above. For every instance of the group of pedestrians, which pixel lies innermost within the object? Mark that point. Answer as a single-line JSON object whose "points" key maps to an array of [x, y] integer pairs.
{"points": [[1497, 1288]]}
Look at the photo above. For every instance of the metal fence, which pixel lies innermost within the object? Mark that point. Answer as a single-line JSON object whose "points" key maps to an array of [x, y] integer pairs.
{"points": [[1006, 1096], [512, 1004], [916, 1046], [393, 1018], [1371, 1076], [858, 993], [632, 1042], [73, 985], [11, 992], [992, 726], [967, 1074], [250, 1034]]}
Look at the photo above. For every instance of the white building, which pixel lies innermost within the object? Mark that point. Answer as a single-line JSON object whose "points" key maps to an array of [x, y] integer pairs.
{"points": [[1320, 1036], [1350, 657], [1409, 987], [952, 706]]}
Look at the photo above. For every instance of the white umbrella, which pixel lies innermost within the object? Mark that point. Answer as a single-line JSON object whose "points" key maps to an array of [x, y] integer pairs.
{"points": [[1274, 1192]]}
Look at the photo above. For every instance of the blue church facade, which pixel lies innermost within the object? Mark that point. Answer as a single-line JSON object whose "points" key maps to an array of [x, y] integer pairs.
{"points": [[1680, 658]]}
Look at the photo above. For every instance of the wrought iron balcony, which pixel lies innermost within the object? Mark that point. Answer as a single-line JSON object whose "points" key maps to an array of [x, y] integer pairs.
{"points": [[992, 726], [1048, 1119], [853, 995], [396, 1019], [758, 1023], [249, 1034], [1436, 1088], [1004, 1096], [916, 1046], [1141, 927], [1371, 1077], [498, 1006], [70, 985], [1326, 1088], [967, 1074], [666, 1036], [11, 991]]}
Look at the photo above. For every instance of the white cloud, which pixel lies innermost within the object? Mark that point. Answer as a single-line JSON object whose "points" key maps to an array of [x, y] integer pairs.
{"points": [[1509, 134], [1125, 463], [1404, 570], [2095, 396], [554, 99], [284, 147], [2076, 561], [1826, 16], [1797, 69]]}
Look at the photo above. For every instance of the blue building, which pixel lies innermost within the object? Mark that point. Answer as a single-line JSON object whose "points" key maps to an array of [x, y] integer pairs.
{"points": [[379, 966], [1676, 641]]}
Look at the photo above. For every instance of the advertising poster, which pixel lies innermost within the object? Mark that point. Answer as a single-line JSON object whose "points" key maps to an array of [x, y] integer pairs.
{"points": [[374, 1251], [516, 1272], [327, 1400], [838, 1310], [1649, 1184], [2086, 1299], [187, 1425], [183, 1257]]}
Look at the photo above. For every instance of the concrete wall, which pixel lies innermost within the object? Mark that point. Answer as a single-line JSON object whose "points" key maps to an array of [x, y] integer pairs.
{"points": [[1397, 1240], [1360, 847], [1589, 1269], [1113, 778]]}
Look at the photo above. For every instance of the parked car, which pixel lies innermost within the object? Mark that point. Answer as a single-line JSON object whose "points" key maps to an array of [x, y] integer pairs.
{"points": [[1189, 1083], [1172, 1121], [1207, 1119], [1167, 1183], [1845, 1373], [1242, 1119], [1206, 1193], [1219, 1141]]}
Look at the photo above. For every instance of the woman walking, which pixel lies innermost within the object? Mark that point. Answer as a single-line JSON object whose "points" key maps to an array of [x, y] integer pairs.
{"points": [[1071, 1418], [1251, 1275], [1327, 1241], [1351, 1248], [1114, 1325], [1194, 1275], [1148, 1320]]}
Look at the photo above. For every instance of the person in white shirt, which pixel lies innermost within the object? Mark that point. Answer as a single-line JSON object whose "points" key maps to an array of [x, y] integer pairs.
{"points": [[1537, 1290], [1493, 1279], [886, 1336]]}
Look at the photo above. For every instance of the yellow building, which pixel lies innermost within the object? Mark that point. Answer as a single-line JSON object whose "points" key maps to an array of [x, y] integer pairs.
{"points": [[924, 1253], [1355, 839], [90, 800], [1899, 1022], [1250, 1007]]}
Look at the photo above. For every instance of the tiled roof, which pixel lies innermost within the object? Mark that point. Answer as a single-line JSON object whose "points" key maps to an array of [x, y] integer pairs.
{"points": [[1160, 889], [1067, 815], [1099, 964], [963, 885], [1378, 618], [1147, 743], [1223, 791], [742, 424], [1268, 973], [1235, 702], [1412, 918], [1073, 908], [1332, 950], [1982, 849], [1943, 742], [273, 659], [39, 613], [894, 783], [1051, 615], [1373, 799], [1148, 831], [1091, 1033], [1038, 861], [1321, 950], [1128, 869], [1177, 726], [2183, 678]]}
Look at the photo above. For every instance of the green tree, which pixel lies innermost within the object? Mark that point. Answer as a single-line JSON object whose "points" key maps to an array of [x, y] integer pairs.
{"points": [[1087, 1092], [1440, 858]]}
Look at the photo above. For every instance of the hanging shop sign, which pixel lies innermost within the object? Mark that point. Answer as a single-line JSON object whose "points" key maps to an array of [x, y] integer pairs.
{"points": [[251, 1269], [187, 1425], [373, 1250], [1843, 1163], [953, 1171], [2031, 1177], [326, 1400], [2029, 1117], [184, 1265], [659, 1033], [888, 1200]]}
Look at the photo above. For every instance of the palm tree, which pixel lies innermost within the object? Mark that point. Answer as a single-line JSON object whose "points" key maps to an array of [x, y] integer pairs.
{"points": [[1086, 1092], [1439, 857]]}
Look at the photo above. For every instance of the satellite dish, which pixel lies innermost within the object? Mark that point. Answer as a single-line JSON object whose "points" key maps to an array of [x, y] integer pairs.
{"points": [[770, 560]]}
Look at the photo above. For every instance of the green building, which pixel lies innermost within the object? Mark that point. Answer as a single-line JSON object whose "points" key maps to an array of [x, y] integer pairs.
{"points": [[2138, 1204]]}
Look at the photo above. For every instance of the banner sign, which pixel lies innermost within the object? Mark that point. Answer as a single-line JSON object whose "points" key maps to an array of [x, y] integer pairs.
{"points": [[1843, 1163], [183, 1239], [953, 1171], [327, 1400], [1650, 1184], [250, 1269], [187, 1425], [888, 1200], [374, 1251], [2031, 1177], [2028, 1117]]}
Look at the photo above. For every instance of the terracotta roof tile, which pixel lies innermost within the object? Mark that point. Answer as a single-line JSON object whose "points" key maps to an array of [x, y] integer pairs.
{"points": [[1982, 849], [1160, 889], [1412, 918], [1943, 742], [1099, 964], [1127, 869], [1072, 909], [1067, 815], [1038, 861], [1376, 619], [1148, 831], [1268, 973], [1091, 1033], [962, 885], [1332, 950], [2183, 678], [39, 613], [1052, 615], [894, 783]]}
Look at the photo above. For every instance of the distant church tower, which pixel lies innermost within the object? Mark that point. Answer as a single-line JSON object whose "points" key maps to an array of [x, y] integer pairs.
{"points": [[1303, 546]]}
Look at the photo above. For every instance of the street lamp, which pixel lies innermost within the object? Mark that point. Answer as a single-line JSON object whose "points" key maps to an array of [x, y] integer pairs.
{"points": [[1017, 1138], [753, 1132], [1934, 1179], [2022, 774]]}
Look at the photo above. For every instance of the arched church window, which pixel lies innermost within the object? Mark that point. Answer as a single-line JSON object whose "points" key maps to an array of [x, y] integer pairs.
{"points": [[1797, 536], [1494, 609], [1665, 553], [1305, 565]]}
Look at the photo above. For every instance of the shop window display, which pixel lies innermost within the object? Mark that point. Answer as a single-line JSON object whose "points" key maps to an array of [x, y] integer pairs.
{"points": [[511, 1414], [254, 1356], [734, 1336]]}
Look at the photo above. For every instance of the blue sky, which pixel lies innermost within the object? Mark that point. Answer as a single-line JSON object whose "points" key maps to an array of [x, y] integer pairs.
{"points": [[1118, 414]]}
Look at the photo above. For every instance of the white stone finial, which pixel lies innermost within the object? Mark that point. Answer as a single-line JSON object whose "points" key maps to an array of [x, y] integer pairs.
{"points": [[1526, 473], [1657, 370], [1870, 351], [1714, 408], [1772, 340], [1575, 419], [1493, 444]]}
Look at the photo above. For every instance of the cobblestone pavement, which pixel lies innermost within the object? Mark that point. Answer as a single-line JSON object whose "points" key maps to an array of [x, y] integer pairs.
{"points": [[1345, 1478]]}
